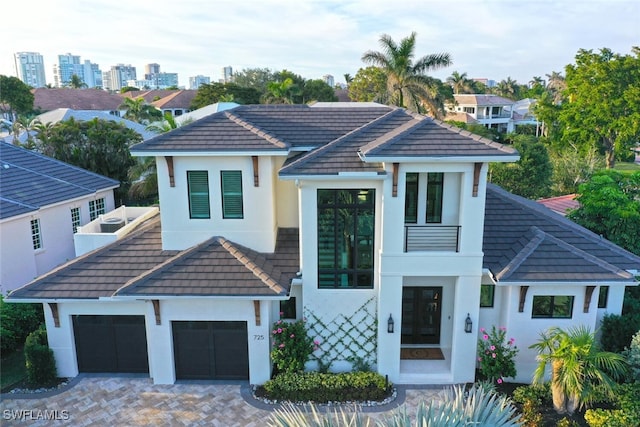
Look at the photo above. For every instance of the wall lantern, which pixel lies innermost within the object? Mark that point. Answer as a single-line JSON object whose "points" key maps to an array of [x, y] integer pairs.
{"points": [[468, 324], [390, 324]]}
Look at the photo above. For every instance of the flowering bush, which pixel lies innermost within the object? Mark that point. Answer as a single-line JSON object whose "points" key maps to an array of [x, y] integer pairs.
{"points": [[291, 346], [496, 354]]}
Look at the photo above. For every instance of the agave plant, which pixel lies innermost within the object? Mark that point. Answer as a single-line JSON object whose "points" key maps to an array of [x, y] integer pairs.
{"points": [[291, 415], [478, 406]]}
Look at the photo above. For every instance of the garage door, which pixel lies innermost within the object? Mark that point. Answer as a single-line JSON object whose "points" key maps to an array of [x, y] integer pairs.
{"points": [[211, 350], [111, 343]]}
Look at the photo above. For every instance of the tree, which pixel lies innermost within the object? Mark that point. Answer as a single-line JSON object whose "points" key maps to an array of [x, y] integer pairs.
{"points": [[578, 366], [531, 175], [224, 92], [368, 84], [407, 84], [96, 145], [602, 108], [318, 90], [280, 92], [76, 82], [256, 78], [460, 83], [139, 111], [507, 88], [610, 207], [348, 78], [556, 85], [15, 97]]}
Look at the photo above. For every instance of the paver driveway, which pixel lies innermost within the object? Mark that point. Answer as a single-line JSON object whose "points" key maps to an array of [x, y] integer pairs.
{"points": [[105, 401]]}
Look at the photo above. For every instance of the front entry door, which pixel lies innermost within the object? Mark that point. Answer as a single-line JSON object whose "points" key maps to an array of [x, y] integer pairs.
{"points": [[421, 307]]}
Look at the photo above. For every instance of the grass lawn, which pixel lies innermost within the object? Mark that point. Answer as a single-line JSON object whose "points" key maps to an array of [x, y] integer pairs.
{"points": [[627, 167], [12, 370]]}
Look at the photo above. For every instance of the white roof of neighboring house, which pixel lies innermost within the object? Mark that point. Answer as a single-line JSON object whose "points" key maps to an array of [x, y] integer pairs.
{"points": [[205, 111]]}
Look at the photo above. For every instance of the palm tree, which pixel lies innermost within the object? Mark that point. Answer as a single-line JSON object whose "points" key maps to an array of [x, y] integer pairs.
{"points": [[76, 82], [280, 92], [578, 366], [163, 126], [556, 84], [507, 88], [407, 84], [460, 83], [348, 78], [139, 111]]}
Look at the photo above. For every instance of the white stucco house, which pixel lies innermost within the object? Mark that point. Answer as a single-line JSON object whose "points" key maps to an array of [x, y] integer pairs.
{"points": [[42, 202], [374, 224], [491, 111]]}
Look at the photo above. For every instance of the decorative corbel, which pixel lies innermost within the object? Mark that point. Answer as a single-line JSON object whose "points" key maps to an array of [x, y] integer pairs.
{"points": [[476, 178], [396, 167], [169, 160], [54, 312], [523, 297], [156, 310], [256, 180], [256, 309], [588, 293]]}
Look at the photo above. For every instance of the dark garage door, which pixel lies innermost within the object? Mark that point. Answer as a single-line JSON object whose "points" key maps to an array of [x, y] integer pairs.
{"points": [[111, 343], [211, 350]]}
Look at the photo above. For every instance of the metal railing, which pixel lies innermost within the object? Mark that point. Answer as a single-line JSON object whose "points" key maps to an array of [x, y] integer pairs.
{"points": [[444, 238]]}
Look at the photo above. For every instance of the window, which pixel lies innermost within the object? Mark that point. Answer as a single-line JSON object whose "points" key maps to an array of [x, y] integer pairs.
{"points": [[346, 220], [435, 183], [288, 308], [96, 208], [231, 182], [487, 293], [557, 307], [75, 218], [198, 188], [603, 297], [470, 110], [36, 237], [411, 199]]}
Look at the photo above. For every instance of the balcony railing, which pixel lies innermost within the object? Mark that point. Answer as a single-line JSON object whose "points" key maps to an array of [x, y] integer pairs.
{"points": [[432, 238]]}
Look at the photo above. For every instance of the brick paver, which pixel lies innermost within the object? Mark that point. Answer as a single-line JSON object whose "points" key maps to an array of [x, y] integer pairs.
{"points": [[118, 401]]}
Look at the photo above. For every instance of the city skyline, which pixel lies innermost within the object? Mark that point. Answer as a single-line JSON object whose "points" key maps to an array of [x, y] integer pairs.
{"points": [[489, 39]]}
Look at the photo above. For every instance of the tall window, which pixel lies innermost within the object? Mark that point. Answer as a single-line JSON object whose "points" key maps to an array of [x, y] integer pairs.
{"points": [[36, 236], [231, 182], [487, 294], [603, 297], [198, 188], [435, 182], [96, 208], [346, 220], [75, 218], [555, 306], [411, 199]]}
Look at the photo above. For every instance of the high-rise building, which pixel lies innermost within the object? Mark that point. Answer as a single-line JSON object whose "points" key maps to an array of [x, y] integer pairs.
{"points": [[154, 79], [92, 74], [227, 74], [328, 79], [67, 66], [196, 81], [30, 68], [116, 78], [151, 69]]}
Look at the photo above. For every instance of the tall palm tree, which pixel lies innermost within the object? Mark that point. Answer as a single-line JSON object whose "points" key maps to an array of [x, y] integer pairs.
{"points": [[280, 92], [578, 366], [139, 111], [76, 82], [460, 83], [556, 84], [407, 83], [348, 78], [507, 88]]}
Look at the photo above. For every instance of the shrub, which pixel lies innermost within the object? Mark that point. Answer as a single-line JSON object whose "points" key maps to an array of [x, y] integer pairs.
{"points": [[17, 320], [291, 346], [322, 388], [531, 398], [627, 401], [40, 363], [633, 358], [496, 354], [616, 331]]}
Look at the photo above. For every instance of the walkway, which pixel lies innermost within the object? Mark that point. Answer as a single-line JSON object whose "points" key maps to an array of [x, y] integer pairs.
{"points": [[108, 401]]}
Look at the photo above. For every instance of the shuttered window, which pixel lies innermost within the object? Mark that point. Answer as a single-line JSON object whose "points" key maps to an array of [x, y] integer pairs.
{"points": [[231, 182], [198, 183]]}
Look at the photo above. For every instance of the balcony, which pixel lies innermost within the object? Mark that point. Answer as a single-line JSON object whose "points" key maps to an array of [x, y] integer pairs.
{"points": [[422, 238]]}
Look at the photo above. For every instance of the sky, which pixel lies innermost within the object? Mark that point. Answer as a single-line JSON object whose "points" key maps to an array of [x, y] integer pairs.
{"points": [[492, 39]]}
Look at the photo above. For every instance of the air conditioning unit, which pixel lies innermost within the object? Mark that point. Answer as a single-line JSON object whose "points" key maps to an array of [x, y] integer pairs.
{"points": [[111, 225]]}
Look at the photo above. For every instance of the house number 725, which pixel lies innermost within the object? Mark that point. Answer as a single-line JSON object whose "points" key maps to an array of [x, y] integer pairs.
{"points": [[258, 337]]}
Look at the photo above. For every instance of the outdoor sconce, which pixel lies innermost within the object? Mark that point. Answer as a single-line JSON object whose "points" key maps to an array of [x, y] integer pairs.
{"points": [[468, 324], [390, 324]]}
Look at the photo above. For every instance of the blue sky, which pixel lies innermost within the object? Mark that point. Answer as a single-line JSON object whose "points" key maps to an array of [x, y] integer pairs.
{"points": [[493, 39]]}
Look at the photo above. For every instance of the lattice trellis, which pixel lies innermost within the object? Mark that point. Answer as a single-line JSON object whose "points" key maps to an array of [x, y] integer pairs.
{"points": [[346, 337]]}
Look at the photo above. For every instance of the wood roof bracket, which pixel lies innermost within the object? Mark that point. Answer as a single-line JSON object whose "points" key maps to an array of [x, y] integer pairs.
{"points": [[256, 179], [54, 312], [476, 178], [156, 310], [256, 309], [523, 297], [588, 293], [169, 160], [396, 166]]}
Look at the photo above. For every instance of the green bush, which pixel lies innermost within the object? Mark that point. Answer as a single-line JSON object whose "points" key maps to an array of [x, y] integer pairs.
{"points": [[322, 388], [17, 320], [633, 358], [616, 331], [40, 363], [291, 346], [496, 354], [627, 413], [531, 398]]}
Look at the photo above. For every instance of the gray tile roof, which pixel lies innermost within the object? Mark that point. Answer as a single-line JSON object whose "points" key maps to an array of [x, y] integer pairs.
{"points": [[137, 266], [525, 241], [31, 181], [47, 99]]}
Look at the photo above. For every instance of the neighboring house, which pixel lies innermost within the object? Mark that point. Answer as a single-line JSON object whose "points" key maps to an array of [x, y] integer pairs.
{"points": [[561, 204], [194, 115], [46, 99], [42, 202], [492, 111], [175, 102], [373, 223]]}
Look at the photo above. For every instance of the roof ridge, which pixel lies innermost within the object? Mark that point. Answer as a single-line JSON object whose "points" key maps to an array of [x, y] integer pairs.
{"points": [[255, 129], [243, 258], [523, 254], [391, 136], [164, 100], [539, 209], [318, 151], [486, 141], [19, 203]]}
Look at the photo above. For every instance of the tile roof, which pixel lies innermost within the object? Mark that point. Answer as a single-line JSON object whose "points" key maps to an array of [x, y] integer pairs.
{"points": [[561, 204], [482, 100], [31, 180], [180, 99], [46, 99], [555, 249], [137, 266]]}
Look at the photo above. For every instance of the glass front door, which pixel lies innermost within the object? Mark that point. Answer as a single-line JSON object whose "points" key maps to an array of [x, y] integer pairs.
{"points": [[421, 309]]}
